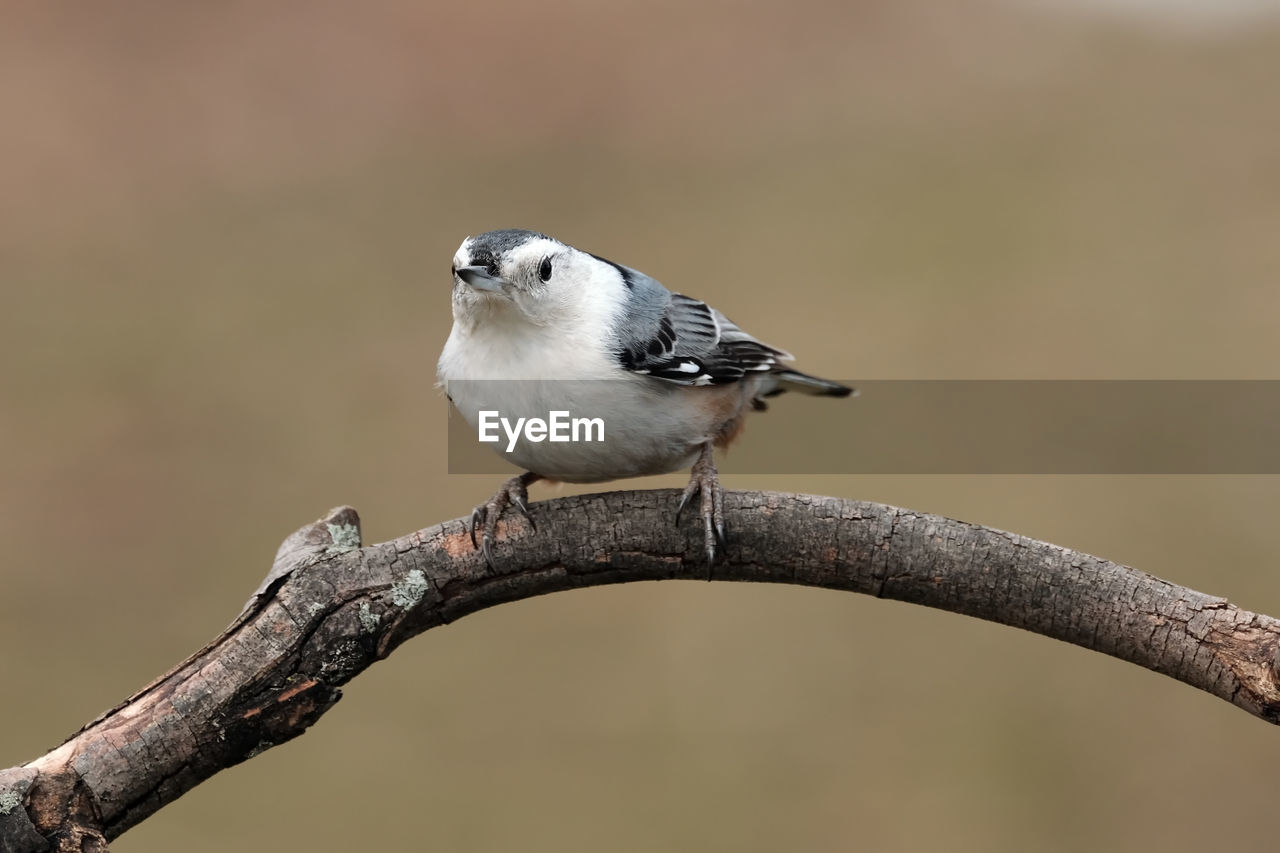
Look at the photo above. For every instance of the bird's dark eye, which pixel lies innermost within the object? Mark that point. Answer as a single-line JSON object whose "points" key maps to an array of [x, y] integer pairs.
{"points": [[544, 269]]}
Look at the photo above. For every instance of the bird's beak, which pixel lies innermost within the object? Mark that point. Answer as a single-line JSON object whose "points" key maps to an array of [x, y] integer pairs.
{"points": [[481, 279]]}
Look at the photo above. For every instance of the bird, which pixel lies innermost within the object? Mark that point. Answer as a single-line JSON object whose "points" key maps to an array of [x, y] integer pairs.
{"points": [[540, 326]]}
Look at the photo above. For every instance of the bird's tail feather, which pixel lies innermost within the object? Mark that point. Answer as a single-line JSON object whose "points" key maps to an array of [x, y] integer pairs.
{"points": [[794, 380]]}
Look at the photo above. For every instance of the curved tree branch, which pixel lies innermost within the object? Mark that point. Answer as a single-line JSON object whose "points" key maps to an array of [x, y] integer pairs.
{"points": [[330, 608]]}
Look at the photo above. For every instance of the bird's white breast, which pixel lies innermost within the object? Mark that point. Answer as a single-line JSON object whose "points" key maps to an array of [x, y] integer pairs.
{"points": [[521, 370]]}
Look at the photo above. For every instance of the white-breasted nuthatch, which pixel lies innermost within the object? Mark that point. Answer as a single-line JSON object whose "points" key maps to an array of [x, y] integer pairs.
{"points": [[671, 376]]}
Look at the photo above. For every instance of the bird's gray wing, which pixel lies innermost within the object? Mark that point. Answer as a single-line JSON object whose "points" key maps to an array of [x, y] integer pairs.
{"points": [[680, 339]]}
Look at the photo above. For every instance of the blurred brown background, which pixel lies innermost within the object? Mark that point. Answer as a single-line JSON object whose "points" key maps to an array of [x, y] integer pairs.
{"points": [[223, 253]]}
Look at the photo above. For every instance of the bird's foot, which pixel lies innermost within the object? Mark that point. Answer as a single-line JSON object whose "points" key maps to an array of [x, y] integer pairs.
{"points": [[704, 482], [514, 492]]}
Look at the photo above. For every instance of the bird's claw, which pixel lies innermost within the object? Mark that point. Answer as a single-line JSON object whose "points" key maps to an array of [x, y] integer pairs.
{"points": [[520, 502], [704, 482], [515, 493], [689, 492]]}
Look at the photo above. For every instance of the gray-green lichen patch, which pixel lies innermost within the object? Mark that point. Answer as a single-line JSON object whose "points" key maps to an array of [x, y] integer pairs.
{"points": [[409, 591], [9, 800], [343, 662], [263, 746], [345, 537], [368, 619]]}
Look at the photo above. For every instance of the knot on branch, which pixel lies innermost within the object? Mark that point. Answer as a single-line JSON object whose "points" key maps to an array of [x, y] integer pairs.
{"points": [[337, 532], [48, 811]]}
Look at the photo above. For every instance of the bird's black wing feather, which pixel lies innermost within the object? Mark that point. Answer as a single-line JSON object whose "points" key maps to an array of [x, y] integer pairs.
{"points": [[691, 343]]}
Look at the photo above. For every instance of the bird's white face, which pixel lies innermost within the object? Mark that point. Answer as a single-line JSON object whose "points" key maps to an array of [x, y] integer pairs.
{"points": [[540, 281]]}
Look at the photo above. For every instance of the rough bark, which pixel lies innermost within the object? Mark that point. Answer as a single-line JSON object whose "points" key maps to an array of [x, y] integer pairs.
{"points": [[330, 608]]}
